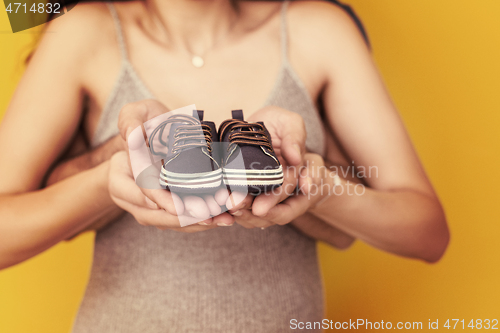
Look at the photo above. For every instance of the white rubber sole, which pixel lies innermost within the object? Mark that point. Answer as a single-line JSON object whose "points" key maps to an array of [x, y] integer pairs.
{"points": [[193, 181], [242, 177]]}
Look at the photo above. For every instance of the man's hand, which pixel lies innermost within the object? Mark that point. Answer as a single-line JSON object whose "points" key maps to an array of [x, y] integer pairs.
{"points": [[315, 183], [80, 157]]}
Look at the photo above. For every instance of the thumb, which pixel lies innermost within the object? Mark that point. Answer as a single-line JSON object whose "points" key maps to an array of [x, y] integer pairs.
{"points": [[135, 114], [304, 182], [293, 134], [292, 150]]}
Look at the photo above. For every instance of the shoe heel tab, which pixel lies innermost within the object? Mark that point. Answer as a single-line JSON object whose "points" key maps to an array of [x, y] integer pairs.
{"points": [[198, 114], [237, 114]]}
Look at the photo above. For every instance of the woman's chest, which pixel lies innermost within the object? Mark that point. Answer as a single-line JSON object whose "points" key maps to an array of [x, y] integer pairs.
{"points": [[242, 79]]}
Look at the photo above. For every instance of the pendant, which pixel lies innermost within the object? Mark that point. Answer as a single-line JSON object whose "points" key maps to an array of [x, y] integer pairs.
{"points": [[197, 61]]}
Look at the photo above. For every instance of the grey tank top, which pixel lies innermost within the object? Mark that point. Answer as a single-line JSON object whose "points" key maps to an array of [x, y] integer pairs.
{"points": [[228, 279]]}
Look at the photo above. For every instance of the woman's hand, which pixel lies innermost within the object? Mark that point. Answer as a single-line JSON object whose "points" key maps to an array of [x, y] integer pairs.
{"points": [[288, 134], [158, 207], [287, 130]]}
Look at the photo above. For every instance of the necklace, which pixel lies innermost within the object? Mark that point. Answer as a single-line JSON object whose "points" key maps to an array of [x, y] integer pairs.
{"points": [[197, 60]]}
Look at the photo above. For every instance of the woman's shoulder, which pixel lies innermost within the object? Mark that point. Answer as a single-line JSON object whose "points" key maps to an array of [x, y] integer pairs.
{"points": [[81, 29], [80, 41], [81, 32], [321, 18], [92, 21], [312, 24], [322, 31], [84, 16]]}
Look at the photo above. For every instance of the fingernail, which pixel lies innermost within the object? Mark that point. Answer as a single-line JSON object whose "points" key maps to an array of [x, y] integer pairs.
{"points": [[237, 213], [224, 225], [296, 147], [128, 132], [193, 214], [151, 204], [232, 204]]}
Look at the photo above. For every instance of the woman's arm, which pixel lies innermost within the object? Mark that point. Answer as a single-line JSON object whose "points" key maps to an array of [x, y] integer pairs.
{"points": [[32, 222], [400, 211], [40, 122]]}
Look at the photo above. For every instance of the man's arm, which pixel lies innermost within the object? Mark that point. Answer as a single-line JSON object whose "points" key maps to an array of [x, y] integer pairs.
{"points": [[79, 159], [318, 229]]}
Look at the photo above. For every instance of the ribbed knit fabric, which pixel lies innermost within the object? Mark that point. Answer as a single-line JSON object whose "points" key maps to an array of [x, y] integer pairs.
{"points": [[229, 279]]}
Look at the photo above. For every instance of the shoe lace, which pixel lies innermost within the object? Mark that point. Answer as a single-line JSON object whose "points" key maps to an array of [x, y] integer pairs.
{"points": [[192, 134], [245, 133]]}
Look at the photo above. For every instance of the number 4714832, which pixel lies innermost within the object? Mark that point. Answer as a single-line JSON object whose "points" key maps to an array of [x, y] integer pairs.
{"points": [[35, 8], [477, 324]]}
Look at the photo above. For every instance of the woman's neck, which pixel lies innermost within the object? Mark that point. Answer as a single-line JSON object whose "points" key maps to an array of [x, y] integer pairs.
{"points": [[193, 25]]}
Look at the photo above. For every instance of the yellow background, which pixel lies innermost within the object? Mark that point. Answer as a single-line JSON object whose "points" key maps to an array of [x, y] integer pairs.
{"points": [[441, 62]]}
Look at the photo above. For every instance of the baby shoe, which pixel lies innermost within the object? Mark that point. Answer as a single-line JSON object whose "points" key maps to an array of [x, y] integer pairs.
{"points": [[248, 158], [192, 163]]}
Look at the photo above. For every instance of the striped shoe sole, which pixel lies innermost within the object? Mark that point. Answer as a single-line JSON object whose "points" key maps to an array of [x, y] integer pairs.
{"points": [[243, 177], [190, 182]]}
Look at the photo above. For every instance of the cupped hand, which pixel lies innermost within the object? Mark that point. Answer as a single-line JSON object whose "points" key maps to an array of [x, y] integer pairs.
{"points": [[163, 212], [159, 203], [288, 135]]}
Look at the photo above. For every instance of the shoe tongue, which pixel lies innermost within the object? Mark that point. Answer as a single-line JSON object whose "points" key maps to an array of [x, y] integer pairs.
{"points": [[198, 114], [237, 114], [251, 129]]}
